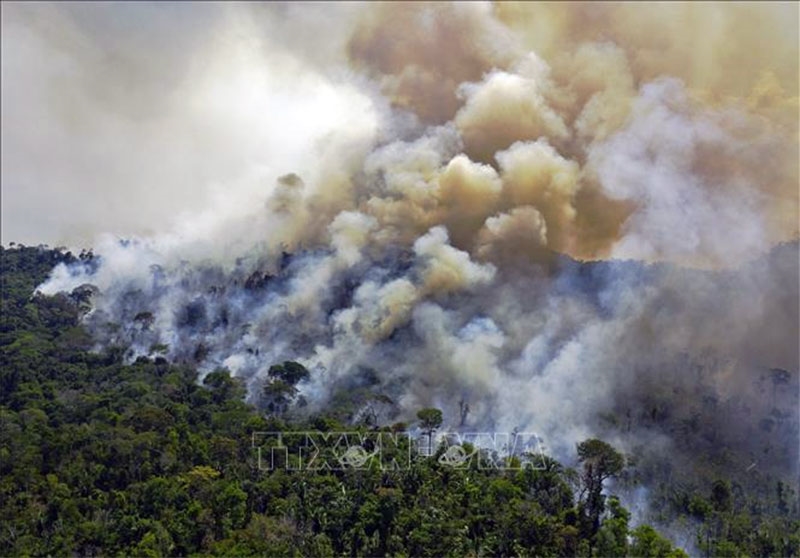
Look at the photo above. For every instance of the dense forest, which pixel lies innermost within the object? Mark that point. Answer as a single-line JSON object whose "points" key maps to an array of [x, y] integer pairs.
{"points": [[99, 457]]}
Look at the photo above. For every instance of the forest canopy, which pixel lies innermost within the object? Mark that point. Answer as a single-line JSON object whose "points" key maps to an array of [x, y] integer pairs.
{"points": [[101, 457]]}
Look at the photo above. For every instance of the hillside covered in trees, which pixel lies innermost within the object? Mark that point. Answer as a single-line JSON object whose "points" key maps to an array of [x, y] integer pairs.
{"points": [[99, 457]]}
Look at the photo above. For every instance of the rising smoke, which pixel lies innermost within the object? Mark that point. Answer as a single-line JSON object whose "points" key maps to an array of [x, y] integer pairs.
{"points": [[557, 213]]}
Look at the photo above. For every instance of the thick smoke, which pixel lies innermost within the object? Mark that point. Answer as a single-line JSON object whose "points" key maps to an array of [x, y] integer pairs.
{"points": [[131, 114], [442, 241]]}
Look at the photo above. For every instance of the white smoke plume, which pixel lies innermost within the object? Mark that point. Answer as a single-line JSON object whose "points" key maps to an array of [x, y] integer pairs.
{"points": [[564, 215]]}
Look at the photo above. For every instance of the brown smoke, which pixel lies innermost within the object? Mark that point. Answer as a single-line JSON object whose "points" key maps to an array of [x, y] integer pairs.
{"points": [[665, 132], [426, 166], [422, 53], [541, 92]]}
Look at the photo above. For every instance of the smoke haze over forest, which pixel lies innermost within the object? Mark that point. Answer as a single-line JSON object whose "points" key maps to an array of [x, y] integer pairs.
{"points": [[555, 213]]}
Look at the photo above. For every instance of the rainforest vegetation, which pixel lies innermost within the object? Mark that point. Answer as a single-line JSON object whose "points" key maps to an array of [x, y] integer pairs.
{"points": [[99, 457]]}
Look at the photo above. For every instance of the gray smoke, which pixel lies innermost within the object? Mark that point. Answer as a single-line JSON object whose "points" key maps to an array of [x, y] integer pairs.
{"points": [[572, 232]]}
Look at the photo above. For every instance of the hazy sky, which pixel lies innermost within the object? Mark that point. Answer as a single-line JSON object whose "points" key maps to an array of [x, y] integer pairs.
{"points": [[117, 116], [128, 117]]}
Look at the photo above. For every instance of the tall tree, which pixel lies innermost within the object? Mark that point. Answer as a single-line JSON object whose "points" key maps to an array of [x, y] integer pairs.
{"points": [[600, 462], [430, 420]]}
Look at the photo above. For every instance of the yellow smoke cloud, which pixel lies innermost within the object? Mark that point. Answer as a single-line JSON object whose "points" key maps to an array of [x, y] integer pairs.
{"points": [[547, 100], [423, 52], [714, 46], [507, 107], [656, 132]]}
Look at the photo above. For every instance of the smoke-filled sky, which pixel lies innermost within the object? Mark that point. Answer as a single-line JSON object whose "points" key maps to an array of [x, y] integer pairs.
{"points": [[401, 195], [654, 132]]}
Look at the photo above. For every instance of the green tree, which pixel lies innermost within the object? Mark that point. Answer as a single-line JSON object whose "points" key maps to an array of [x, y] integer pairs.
{"points": [[647, 543], [612, 538], [600, 462], [290, 372]]}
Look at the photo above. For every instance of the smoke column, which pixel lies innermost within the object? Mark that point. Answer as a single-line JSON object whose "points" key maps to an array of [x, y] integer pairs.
{"points": [[557, 213]]}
